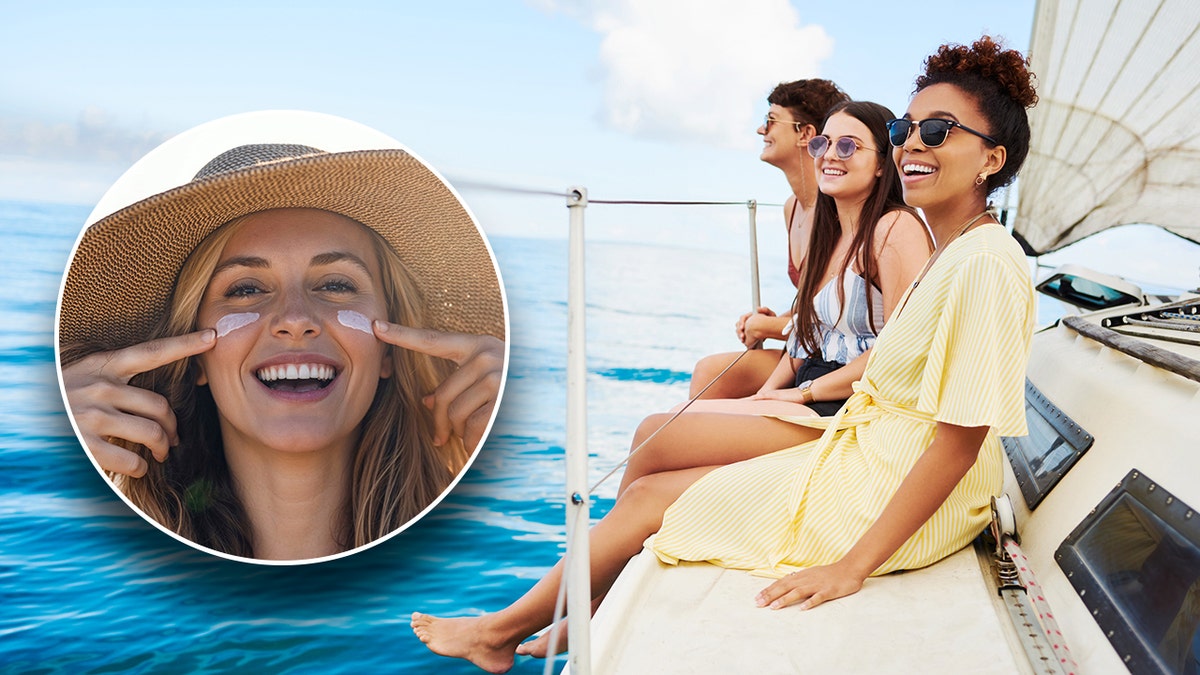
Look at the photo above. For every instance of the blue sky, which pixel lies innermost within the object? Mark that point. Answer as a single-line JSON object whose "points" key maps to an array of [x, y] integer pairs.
{"points": [[634, 99], [642, 100]]}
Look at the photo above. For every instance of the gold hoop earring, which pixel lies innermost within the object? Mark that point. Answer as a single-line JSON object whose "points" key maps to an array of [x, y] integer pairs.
{"points": [[980, 179]]}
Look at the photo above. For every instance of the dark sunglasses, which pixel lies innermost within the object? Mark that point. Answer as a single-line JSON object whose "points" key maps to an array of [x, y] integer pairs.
{"points": [[768, 121], [844, 147], [933, 131]]}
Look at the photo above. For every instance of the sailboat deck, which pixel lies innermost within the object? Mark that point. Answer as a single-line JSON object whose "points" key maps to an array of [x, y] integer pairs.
{"points": [[699, 618]]}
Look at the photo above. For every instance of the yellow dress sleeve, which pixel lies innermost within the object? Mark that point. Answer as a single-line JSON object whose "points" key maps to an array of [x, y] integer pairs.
{"points": [[975, 370]]}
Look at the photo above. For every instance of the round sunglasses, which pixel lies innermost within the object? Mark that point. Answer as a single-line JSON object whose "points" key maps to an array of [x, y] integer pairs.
{"points": [[844, 147], [933, 131]]}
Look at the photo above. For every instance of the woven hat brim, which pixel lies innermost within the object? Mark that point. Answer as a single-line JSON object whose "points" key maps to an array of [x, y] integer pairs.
{"points": [[123, 271]]}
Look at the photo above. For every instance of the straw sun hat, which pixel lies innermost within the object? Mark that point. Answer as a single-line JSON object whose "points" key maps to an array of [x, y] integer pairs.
{"points": [[125, 265]]}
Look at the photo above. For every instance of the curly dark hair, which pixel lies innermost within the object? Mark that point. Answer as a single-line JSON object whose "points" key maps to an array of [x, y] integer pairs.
{"points": [[1001, 83], [808, 100]]}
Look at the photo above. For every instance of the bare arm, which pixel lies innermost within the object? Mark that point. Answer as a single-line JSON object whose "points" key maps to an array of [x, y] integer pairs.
{"points": [[902, 246], [925, 488], [755, 327], [762, 324], [829, 387], [782, 377]]}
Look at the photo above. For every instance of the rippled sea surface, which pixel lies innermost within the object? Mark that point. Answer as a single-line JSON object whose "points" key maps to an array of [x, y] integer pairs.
{"points": [[87, 586]]}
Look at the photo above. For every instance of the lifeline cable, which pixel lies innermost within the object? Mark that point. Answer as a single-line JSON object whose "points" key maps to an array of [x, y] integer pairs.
{"points": [[636, 202], [664, 424], [497, 187], [560, 599]]}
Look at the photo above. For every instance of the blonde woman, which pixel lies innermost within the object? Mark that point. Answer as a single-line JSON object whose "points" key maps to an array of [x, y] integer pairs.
{"points": [[315, 371]]}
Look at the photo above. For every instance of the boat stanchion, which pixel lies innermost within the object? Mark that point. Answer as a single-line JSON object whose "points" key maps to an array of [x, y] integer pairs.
{"points": [[578, 572], [755, 288]]}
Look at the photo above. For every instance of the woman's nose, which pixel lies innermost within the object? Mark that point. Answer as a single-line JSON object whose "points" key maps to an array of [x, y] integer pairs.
{"points": [[295, 316]]}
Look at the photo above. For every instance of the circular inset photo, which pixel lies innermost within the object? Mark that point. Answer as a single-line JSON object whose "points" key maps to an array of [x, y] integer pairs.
{"points": [[282, 337]]}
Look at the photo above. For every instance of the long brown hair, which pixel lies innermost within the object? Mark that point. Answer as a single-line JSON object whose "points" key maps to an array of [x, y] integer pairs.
{"points": [[396, 472], [826, 230]]}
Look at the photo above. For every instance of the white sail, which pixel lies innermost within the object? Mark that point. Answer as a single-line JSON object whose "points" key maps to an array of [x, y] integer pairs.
{"points": [[1116, 132]]}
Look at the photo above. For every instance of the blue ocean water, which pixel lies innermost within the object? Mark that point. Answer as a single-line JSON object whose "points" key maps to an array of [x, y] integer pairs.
{"points": [[87, 586]]}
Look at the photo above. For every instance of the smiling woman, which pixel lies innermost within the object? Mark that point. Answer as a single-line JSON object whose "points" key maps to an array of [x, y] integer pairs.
{"points": [[303, 368]]}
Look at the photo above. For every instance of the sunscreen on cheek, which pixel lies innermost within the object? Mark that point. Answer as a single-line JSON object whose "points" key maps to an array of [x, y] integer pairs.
{"points": [[231, 322], [352, 319]]}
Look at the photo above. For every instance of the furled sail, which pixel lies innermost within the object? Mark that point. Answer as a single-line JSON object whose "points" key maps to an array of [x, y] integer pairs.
{"points": [[1116, 132]]}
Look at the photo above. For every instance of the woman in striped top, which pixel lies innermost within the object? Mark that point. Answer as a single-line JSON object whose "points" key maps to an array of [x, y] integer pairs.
{"points": [[865, 248], [795, 114], [903, 475]]}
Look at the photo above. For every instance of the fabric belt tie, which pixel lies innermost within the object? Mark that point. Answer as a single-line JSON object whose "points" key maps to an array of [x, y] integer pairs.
{"points": [[864, 405]]}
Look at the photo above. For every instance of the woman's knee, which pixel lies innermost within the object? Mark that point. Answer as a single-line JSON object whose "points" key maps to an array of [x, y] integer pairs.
{"points": [[707, 369], [648, 426], [648, 497]]}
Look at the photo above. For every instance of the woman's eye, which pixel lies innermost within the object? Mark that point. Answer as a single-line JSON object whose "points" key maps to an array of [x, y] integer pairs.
{"points": [[338, 286], [244, 290]]}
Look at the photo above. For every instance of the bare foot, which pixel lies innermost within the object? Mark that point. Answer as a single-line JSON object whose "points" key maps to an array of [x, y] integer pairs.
{"points": [[469, 638], [539, 647]]}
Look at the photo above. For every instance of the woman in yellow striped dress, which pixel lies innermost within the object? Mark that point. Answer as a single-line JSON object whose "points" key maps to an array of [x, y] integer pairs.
{"points": [[903, 475]]}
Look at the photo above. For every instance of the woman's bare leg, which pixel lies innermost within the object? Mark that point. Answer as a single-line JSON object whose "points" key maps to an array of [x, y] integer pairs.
{"points": [[743, 379], [539, 647], [490, 641], [732, 441], [747, 406], [707, 439]]}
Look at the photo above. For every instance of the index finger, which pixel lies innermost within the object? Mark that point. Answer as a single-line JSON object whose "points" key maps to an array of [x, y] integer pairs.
{"points": [[153, 354], [457, 347]]}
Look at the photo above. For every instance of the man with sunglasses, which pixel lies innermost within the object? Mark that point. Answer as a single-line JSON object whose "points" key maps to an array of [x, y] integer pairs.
{"points": [[796, 108]]}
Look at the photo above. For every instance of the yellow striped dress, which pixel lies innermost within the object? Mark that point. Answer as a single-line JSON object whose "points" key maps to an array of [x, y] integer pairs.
{"points": [[955, 353]]}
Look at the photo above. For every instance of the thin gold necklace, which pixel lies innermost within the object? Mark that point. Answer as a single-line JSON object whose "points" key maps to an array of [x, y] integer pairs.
{"points": [[961, 231], [938, 251]]}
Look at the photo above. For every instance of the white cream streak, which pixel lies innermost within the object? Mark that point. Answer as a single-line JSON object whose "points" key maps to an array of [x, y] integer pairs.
{"points": [[352, 319], [232, 322]]}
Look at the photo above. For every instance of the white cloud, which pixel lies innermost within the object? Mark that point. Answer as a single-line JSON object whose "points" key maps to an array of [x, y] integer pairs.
{"points": [[683, 69], [93, 137]]}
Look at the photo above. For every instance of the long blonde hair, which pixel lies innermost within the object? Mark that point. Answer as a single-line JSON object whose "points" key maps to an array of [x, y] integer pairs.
{"points": [[396, 471]]}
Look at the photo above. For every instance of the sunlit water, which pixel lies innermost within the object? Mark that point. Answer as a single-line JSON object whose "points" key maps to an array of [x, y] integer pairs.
{"points": [[89, 587]]}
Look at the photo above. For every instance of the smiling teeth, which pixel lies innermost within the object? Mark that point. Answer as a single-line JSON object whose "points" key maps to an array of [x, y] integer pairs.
{"points": [[917, 168], [833, 172], [296, 371]]}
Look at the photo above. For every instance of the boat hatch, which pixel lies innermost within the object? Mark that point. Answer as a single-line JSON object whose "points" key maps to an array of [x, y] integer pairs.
{"points": [[1135, 562], [1089, 289], [1055, 442]]}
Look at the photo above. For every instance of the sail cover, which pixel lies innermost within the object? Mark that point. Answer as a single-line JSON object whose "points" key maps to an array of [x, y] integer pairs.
{"points": [[1116, 131]]}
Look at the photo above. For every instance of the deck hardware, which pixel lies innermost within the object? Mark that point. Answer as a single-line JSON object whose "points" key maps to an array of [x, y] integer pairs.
{"points": [[1031, 616], [1143, 539]]}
